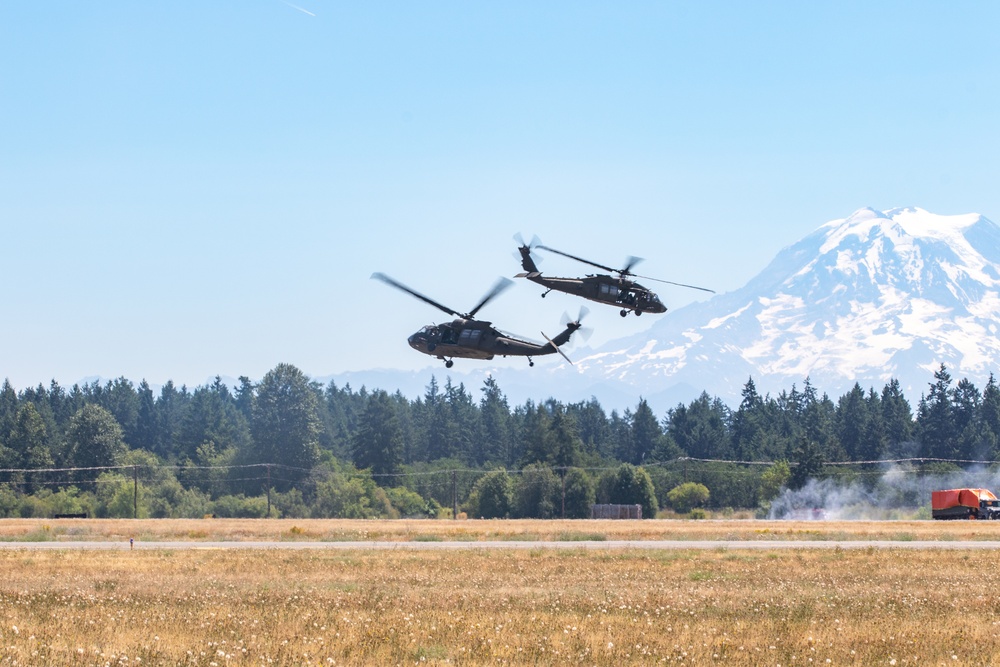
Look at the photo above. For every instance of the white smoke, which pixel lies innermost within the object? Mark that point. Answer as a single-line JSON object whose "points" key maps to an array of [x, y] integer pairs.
{"points": [[899, 491]]}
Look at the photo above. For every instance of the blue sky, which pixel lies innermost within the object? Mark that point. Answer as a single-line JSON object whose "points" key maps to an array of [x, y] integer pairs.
{"points": [[191, 189]]}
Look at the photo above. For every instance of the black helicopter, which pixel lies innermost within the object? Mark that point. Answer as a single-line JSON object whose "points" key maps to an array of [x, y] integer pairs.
{"points": [[616, 291], [469, 338]]}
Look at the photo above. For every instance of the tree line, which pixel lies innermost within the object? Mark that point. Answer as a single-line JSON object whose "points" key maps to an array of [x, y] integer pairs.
{"points": [[288, 446]]}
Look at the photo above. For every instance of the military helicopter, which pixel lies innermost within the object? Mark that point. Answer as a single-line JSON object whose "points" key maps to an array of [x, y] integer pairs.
{"points": [[469, 338], [615, 291]]}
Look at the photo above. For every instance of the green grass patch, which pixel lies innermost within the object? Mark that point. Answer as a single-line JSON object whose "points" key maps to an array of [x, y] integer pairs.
{"points": [[576, 536], [427, 537]]}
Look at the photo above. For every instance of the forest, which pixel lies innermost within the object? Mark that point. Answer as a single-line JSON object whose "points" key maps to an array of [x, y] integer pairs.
{"points": [[290, 447]]}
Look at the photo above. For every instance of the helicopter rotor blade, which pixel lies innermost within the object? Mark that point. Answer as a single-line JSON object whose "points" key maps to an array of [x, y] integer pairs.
{"points": [[670, 282], [412, 292], [630, 261], [579, 259], [561, 353], [501, 285]]}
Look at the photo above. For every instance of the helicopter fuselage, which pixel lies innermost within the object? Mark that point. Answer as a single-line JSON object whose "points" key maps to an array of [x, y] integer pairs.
{"points": [[469, 338], [625, 294], [477, 339]]}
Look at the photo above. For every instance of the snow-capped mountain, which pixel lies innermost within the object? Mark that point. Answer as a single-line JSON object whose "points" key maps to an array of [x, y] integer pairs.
{"points": [[875, 296]]}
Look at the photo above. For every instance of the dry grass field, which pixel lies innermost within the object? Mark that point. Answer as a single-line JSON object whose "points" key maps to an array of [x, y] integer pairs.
{"points": [[218, 607], [345, 530]]}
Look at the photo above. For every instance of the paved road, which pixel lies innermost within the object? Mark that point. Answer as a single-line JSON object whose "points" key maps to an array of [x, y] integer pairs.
{"points": [[466, 546]]}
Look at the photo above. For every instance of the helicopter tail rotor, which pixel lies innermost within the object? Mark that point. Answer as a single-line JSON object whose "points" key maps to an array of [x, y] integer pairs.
{"points": [[523, 254], [577, 324]]}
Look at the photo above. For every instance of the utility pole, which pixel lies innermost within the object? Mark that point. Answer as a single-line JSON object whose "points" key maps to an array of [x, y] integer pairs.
{"points": [[563, 516], [135, 492], [268, 490], [454, 494]]}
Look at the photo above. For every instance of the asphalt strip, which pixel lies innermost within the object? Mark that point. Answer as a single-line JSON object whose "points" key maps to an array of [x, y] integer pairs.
{"points": [[609, 545]]}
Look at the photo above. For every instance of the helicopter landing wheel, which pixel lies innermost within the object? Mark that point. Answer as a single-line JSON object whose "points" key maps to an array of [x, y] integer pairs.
{"points": [[531, 363], [449, 363], [623, 313], [638, 313]]}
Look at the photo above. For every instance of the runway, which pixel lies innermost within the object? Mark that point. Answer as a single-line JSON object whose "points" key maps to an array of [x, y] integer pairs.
{"points": [[609, 545]]}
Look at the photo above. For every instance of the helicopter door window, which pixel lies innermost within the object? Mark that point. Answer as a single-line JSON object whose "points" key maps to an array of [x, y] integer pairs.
{"points": [[470, 337], [609, 290]]}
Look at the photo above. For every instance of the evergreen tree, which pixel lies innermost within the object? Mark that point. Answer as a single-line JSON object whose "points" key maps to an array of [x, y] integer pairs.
{"points": [[593, 428], [497, 429], [535, 435], [8, 410], [170, 408], [748, 425], [621, 434], [378, 444], [808, 463], [285, 424], [851, 419], [700, 429], [121, 400], [30, 443], [212, 425], [563, 438], [435, 427], [990, 414], [646, 434], [463, 423], [245, 397], [897, 418], [874, 438], [146, 435], [972, 442], [934, 418], [818, 418]]}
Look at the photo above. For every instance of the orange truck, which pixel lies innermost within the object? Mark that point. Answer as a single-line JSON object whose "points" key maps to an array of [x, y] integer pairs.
{"points": [[964, 504]]}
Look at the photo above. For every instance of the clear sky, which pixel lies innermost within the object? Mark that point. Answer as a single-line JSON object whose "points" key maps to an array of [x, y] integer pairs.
{"points": [[190, 189]]}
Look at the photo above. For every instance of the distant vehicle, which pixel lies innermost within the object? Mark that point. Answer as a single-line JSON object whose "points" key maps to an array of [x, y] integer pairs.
{"points": [[619, 290], [469, 338], [964, 504]]}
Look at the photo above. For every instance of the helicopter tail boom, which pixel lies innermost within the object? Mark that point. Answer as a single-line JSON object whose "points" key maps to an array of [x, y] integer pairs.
{"points": [[527, 263]]}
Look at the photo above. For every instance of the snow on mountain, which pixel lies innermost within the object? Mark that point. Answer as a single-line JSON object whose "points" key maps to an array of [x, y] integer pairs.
{"points": [[877, 295]]}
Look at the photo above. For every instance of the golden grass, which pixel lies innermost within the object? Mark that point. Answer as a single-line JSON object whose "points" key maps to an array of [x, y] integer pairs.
{"points": [[538, 606], [345, 530]]}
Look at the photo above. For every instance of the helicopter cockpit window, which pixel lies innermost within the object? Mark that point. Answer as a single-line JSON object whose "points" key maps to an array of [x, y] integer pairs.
{"points": [[448, 336]]}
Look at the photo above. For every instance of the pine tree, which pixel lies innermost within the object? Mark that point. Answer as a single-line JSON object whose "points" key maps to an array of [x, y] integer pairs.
{"points": [[378, 443], [646, 433], [934, 418], [497, 430]]}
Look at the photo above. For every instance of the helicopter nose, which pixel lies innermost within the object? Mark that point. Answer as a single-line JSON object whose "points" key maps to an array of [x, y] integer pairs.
{"points": [[414, 341]]}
